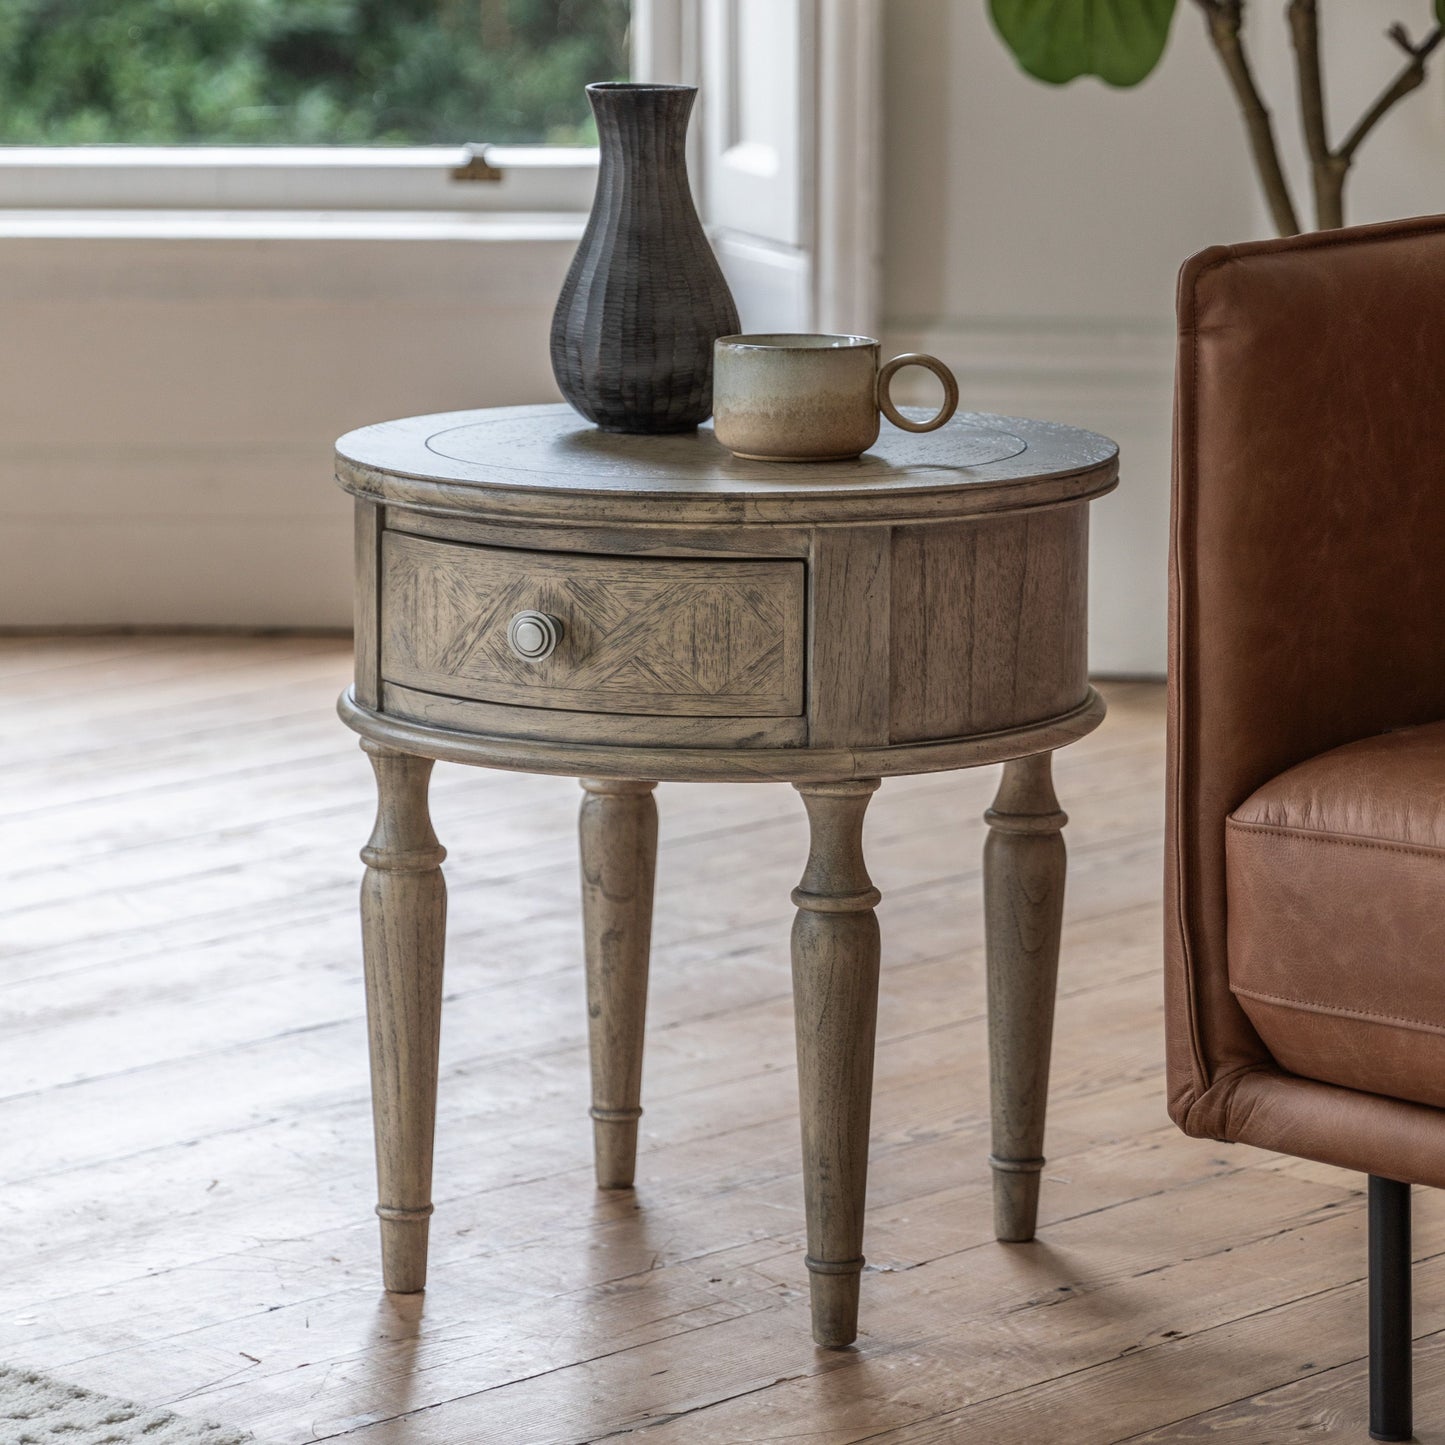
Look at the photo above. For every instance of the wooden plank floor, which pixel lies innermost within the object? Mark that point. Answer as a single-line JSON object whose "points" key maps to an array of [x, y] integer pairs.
{"points": [[184, 1127]]}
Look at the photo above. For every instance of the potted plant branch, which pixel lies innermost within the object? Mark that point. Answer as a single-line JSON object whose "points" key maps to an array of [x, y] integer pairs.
{"points": [[1121, 43]]}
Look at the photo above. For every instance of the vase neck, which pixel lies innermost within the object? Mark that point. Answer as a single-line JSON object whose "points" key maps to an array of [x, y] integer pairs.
{"points": [[643, 125]]}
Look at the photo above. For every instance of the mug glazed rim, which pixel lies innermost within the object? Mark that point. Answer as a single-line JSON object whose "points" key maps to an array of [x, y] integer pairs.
{"points": [[797, 341]]}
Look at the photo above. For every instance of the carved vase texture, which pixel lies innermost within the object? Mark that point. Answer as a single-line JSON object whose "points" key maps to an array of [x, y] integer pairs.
{"points": [[645, 298]]}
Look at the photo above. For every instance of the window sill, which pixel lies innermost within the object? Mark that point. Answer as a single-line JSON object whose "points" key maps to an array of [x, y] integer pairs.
{"points": [[79, 224], [310, 178]]}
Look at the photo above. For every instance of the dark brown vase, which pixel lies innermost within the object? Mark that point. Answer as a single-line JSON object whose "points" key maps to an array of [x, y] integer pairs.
{"points": [[645, 299]]}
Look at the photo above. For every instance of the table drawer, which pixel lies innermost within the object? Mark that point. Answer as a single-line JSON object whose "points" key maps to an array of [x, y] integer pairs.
{"points": [[638, 635]]}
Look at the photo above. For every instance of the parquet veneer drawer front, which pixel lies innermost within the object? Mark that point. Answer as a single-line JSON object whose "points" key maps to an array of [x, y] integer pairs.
{"points": [[640, 635]]}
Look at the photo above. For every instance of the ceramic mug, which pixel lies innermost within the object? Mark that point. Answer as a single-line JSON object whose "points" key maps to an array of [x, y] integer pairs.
{"points": [[805, 397]]}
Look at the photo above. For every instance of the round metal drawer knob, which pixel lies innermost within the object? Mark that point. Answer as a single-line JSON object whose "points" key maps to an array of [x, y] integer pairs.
{"points": [[533, 635]]}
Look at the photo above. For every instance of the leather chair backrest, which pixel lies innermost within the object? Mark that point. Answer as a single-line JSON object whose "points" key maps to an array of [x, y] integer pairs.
{"points": [[1307, 572]]}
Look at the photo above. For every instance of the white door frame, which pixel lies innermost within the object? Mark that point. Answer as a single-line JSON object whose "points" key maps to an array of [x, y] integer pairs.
{"points": [[848, 166], [842, 173]]}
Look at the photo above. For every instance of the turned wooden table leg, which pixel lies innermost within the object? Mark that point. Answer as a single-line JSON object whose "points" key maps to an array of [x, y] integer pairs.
{"points": [[835, 1004], [1024, 862], [618, 833], [403, 926]]}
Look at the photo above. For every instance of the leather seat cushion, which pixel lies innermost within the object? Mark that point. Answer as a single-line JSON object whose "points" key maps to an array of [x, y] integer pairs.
{"points": [[1336, 914]]}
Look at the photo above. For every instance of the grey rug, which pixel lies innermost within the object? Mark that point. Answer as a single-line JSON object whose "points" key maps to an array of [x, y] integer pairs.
{"points": [[36, 1410]]}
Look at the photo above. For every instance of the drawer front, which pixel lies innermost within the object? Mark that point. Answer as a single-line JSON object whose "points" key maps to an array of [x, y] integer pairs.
{"points": [[639, 635]]}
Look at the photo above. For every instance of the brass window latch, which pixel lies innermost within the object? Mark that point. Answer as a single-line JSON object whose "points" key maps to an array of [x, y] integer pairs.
{"points": [[476, 166]]}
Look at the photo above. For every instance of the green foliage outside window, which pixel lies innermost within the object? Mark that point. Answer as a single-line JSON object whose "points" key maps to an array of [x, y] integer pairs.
{"points": [[305, 72]]}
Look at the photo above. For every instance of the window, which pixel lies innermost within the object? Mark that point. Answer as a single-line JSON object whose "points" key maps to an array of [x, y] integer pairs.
{"points": [[304, 72]]}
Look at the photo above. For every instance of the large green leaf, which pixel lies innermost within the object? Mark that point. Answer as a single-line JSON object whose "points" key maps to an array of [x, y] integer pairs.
{"points": [[1120, 41]]}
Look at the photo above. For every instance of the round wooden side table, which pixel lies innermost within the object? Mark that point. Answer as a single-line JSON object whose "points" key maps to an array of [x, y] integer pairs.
{"points": [[537, 595]]}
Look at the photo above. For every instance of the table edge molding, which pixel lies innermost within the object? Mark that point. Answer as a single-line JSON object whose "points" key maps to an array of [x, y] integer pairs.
{"points": [[732, 764]]}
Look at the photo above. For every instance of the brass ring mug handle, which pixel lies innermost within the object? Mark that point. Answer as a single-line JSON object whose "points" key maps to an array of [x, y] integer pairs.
{"points": [[890, 369]]}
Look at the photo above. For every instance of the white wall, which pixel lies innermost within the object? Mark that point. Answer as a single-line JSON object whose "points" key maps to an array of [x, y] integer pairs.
{"points": [[1033, 235], [169, 405]]}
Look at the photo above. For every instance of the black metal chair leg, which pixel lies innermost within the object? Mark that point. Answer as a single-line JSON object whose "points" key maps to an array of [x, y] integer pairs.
{"points": [[1391, 1389]]}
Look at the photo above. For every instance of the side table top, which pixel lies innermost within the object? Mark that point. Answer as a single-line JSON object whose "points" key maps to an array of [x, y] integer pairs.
{"points": [[548, 463]]}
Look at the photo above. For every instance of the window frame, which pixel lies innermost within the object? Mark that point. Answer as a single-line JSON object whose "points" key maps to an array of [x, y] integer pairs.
{"points": [[534, 179]]}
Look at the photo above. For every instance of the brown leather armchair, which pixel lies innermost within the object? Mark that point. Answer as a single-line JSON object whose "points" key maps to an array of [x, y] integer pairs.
{"points": [[1305, 888]]}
